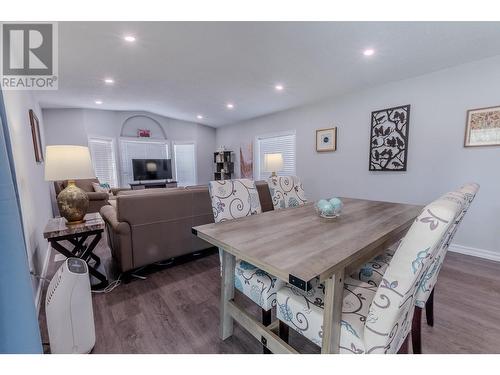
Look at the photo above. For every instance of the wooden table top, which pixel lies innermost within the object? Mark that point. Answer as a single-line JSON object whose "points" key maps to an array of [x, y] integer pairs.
{"points": [[296, 242], [56, 227]]}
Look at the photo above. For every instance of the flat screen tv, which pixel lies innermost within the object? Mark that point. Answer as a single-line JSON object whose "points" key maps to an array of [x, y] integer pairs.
{"points": [[152, 169]]}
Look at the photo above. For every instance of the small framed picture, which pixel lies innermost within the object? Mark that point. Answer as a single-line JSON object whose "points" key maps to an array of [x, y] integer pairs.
{"points": [[326, 140], [35, 134], [482, 127]]}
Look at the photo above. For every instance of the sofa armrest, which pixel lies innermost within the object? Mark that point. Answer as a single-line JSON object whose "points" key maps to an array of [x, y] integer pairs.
{"points": [[119, 239], [108, 213], [115, 191], [95, 196]]}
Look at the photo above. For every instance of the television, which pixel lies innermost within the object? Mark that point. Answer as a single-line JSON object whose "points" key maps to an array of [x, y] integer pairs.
{"points": [[152, 169]]}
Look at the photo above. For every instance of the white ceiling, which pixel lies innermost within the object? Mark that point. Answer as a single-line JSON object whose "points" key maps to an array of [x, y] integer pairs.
{"points": [[181, 69]]}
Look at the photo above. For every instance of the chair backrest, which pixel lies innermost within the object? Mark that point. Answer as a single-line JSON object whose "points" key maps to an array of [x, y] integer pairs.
{"points": [[391, 311], [470, 190], [286, 191], [232, 199], [464, 197]]}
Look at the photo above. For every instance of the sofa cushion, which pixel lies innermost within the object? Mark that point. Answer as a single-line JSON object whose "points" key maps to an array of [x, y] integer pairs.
{"points": [[86, 185]]}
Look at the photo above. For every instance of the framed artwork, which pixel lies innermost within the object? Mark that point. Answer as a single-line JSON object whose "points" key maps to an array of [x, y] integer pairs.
{"points": [[326, 139], [389, 139], [482, 127], [35, 134], [246, 160]]}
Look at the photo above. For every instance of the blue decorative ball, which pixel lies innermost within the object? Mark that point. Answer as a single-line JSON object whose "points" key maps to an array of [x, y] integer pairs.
{"points": [[337, 205], [328, 209], [322, 203]]}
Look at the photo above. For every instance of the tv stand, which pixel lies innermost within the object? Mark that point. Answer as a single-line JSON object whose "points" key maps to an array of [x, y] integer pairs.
{"points": [[153, 185]]}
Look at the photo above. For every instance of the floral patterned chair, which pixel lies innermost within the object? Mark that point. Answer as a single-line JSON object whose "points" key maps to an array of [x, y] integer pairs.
{"points": [[286, 191], [375, 319], [372, 272], [233, 199], [425, 294]]}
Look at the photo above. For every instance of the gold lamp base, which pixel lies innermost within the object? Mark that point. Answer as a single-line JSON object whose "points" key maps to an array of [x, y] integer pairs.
{"points": [[73, 203]]}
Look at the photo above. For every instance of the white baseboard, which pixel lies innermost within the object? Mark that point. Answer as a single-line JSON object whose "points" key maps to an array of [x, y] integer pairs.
{"points": [[475, 252], [41, 281]]}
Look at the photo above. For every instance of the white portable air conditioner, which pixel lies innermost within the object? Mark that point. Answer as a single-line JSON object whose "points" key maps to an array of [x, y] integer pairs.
{"points": [[68, 307]]}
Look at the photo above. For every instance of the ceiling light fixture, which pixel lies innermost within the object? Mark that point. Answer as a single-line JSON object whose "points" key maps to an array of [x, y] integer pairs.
{"points": [[129, 38], [199, 117], [109, 81], [98, 102], [230, 105], [279, 87], [368, 52]]}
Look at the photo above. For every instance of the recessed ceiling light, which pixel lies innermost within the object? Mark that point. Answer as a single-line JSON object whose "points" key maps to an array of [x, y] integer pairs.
{"points": [[368, 52], [129, 38], [98, 102], [279, 87], [230, 105], [109, 81], [199, 117]]}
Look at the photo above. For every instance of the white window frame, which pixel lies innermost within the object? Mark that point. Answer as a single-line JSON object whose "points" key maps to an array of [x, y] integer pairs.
{"points": [[195, 158], [113, 154], [142, 140], [256, 166]]}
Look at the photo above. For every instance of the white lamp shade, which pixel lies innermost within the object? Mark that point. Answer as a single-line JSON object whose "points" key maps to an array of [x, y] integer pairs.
{"points": [[68, 163], [273, 162]]}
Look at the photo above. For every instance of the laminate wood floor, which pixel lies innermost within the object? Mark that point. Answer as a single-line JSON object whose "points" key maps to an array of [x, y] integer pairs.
{"points": [[176, 310]]}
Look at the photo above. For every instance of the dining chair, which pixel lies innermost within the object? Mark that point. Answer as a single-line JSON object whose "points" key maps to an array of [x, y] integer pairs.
{"points": [[425, 293], [375, 319], [286, 191], [233, 199], [372, 272]]}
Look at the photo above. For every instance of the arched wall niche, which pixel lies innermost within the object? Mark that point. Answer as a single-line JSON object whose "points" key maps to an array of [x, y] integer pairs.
{"points": [[133, 123]]}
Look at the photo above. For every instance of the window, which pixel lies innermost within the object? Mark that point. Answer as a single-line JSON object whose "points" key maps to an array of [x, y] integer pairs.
{"points": [[283, 143], [139, 149], [103, 156], [185, 163]]}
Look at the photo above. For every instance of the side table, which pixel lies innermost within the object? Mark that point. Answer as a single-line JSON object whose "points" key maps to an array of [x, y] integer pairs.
{"points": [[56, 232]]}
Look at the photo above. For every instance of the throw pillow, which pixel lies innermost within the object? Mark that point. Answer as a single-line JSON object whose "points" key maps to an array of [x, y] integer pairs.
{"points": [[101, 188]]}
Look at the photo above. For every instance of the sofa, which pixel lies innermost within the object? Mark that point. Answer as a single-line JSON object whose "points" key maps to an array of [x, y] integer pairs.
{"points": [[96, 200], [152, 225]]}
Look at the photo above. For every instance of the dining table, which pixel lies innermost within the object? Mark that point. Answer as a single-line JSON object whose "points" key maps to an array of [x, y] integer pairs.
{"points": [[298, 246]]}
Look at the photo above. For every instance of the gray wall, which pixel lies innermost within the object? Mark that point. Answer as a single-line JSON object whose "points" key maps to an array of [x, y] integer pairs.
{"points": [[437, 160], [33, 189], [75, 126]]}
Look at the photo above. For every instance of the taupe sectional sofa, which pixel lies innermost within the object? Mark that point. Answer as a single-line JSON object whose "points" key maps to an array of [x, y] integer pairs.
{"points": [[148, 226]]}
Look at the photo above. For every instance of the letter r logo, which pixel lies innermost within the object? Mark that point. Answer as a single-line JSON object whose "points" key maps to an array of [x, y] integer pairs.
{"points": [[27, 49]]}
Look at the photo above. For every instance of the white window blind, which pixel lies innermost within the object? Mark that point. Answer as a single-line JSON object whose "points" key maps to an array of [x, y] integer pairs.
{"points": [[132, 149], [185, 164], [283, 144], [104, 160]]}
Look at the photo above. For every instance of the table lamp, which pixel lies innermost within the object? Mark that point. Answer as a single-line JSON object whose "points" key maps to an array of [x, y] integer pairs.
{"points": [[273, 163], [70, 163]]}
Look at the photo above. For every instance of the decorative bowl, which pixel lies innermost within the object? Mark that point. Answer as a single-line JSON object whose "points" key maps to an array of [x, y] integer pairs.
{"points": [[329, 208]]}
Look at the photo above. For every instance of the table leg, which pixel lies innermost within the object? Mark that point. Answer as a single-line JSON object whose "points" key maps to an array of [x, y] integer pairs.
{"points": [[334, 289], [84, 254], [226, 294], [79, 244]]}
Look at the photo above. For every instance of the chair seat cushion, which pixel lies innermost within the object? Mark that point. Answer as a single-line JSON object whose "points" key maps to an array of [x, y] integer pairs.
{"points": [[373, 271], [303, 312], [256, 284]]}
